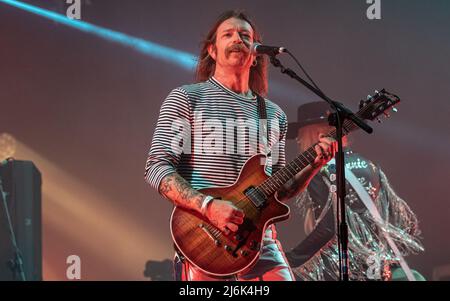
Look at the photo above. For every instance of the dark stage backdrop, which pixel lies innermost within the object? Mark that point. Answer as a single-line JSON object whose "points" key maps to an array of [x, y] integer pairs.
{"points": [[84, 110]]}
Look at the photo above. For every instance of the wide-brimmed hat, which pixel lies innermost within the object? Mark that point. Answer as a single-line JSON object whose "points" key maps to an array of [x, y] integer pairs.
{"points": [[309, 113]]}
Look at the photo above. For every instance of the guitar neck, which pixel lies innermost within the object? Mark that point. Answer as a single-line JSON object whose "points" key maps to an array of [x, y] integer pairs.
{"points": [[277, 180]]}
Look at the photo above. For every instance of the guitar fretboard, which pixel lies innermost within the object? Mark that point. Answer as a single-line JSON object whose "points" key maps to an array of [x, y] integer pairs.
{"points": [[277, 180]]}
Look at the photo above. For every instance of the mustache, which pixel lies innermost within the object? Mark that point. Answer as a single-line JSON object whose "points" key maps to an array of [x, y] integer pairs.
{"points": [[237, 47]]}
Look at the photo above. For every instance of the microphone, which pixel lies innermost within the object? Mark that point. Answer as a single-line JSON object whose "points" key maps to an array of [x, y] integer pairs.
{"points": [[257, 48]]}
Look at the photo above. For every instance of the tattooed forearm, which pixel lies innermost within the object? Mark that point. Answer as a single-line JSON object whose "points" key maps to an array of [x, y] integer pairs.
{"points": [[166, 185], [179, 191]]}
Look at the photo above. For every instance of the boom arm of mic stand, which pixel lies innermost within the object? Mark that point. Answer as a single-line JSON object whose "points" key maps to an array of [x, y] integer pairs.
{"points": [[334, 104]]}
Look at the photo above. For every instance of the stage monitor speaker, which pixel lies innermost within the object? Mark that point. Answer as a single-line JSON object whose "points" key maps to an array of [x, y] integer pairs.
{"points": [[21, 182]]}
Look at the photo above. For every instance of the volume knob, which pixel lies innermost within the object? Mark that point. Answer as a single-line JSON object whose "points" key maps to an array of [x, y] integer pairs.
{"points": [[254, 245]]}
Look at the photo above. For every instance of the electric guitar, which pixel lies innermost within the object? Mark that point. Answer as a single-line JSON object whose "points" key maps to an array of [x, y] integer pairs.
{"points": [[221, 255]]}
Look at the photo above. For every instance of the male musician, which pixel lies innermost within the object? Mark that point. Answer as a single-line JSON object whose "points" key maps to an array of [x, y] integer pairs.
{"points": [[199, 140], [372, 256]]}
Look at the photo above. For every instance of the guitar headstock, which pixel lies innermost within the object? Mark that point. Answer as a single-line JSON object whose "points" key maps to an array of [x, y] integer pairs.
{"points": [[378, 104]]}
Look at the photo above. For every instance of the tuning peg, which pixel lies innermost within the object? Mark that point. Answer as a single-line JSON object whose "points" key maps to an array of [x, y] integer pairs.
{"points": [[379, 120], [369, 97], [394, 109], [376, 92]]}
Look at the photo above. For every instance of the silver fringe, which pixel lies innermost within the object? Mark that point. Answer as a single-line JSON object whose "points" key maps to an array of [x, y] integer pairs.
{"points": [[365, 237]]}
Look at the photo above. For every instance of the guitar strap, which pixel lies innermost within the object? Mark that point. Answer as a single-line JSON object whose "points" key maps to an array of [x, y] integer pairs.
{"points": [[263, 133]]}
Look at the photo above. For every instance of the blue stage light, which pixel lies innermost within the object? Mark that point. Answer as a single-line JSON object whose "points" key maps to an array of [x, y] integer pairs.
{"points": [[184, 60]]}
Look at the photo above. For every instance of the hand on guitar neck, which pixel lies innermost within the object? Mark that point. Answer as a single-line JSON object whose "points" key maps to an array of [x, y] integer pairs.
{"points": [[325, 150]]}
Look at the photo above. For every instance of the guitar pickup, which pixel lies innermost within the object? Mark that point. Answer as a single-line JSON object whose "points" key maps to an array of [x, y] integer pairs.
{"points": [[217, 242], [255, 196]]}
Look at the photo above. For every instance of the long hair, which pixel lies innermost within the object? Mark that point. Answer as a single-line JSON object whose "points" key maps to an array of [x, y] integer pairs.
{"points": [[207, 65]]}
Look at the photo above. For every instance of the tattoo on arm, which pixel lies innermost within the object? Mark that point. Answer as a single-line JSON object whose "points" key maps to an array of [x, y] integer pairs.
{"points": [[176, 188], [166, 185]]}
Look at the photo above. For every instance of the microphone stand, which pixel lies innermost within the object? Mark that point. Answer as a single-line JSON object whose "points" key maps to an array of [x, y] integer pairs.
{"points": [[16, 264], [337, 120]]}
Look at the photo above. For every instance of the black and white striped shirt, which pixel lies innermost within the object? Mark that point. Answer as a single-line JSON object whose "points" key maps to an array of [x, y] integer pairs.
{"points": [[206, 133]]}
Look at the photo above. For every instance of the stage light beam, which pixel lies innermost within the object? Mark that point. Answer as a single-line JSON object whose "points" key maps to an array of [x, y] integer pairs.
{"points": [[183, 59]]}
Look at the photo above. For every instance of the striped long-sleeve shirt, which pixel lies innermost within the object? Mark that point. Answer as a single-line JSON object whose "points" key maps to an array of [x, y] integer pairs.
{"points": [[206, 133]]}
